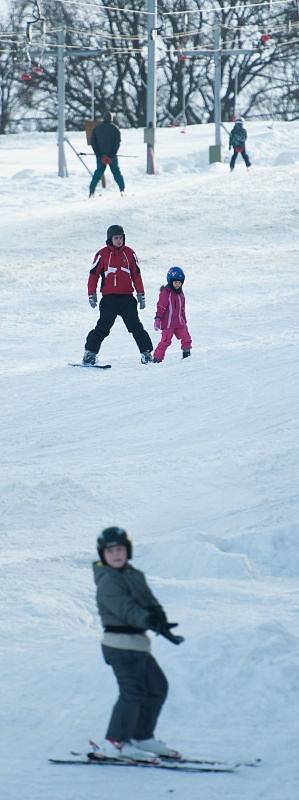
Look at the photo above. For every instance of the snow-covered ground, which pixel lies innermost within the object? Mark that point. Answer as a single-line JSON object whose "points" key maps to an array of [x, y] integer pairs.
{"points": [[196, 458]]}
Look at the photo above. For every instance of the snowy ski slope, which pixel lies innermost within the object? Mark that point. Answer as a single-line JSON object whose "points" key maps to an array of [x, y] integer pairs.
{"points": [[198, 459]]}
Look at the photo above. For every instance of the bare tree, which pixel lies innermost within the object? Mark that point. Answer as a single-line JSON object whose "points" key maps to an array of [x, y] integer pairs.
{"points": [[259, 30], [265, 76], [9, 68]]}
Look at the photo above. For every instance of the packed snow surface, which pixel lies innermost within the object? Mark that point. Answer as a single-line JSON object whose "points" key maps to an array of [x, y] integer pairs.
{"points": [[196, 458]]}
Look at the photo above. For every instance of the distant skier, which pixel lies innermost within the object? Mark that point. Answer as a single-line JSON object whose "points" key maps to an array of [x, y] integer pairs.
{"points": [[170, 316], [117, 266], [105, 142], [127, 609], [237, 139]]}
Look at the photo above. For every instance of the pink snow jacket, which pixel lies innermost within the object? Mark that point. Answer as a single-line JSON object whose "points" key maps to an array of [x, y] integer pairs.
{"points": [[171, 308]]}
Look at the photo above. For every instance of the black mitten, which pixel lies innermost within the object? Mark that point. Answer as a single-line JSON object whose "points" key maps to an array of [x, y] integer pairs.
{"points": [[156, 619], [165, 631]]}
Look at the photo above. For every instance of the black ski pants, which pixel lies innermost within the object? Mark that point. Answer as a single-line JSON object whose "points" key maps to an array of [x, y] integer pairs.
{"points": [[142, 691], [235, 156], [125, 306]]}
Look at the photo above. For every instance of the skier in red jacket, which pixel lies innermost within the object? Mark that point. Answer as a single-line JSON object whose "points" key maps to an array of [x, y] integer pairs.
{"points": [[170, 315], [117, 266]]}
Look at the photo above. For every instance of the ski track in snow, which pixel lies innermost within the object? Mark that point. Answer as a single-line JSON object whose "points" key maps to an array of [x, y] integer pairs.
{"points": [[197, 459]]}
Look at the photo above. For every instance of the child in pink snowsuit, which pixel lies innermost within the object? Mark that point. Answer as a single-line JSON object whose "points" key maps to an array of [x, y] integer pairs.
{"points": [[170, 315]]}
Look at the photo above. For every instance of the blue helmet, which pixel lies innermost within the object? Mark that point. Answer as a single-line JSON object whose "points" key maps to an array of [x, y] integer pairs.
{"points": [[175, 274]]}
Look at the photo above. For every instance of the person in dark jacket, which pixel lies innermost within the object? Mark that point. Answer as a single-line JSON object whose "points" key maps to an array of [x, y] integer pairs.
{"points": [[237, 139], [105, 142], [117, 266], [128, 608]]}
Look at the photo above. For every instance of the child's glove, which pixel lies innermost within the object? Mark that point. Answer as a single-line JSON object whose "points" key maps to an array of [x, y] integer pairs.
{"points": [[141, 300], [93, 300], [157, 621], [106, 160], [156, 618], [157, 324], [166, 632]]}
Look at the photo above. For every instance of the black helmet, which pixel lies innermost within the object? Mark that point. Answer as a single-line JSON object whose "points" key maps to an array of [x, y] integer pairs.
{"points": [[114, 230], [111, 537]]}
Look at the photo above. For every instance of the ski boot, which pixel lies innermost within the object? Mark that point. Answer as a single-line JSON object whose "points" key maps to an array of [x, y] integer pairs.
{"points": [[146, 357], [89, 358], [156, 746], [119, 751], [186, 353]]}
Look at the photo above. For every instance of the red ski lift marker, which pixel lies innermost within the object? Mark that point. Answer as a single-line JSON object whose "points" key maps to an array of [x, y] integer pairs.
{"points": [[265, 38]]}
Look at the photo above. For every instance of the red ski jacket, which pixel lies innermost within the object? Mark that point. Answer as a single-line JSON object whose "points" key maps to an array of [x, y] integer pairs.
{"points": [[119, 271]]}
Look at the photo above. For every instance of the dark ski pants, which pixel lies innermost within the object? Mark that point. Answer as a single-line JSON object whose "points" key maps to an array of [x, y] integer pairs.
{"points": [[125, 306], [100, 171], [142, 691], [235, 156]]}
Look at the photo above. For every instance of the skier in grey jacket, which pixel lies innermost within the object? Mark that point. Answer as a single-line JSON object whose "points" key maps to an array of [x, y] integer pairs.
{"points": [[128, 608]]}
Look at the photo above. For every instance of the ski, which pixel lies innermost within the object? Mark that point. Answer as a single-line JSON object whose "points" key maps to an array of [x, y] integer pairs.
{"points": [[181, 759], [255, 762], [90, 366], [94, 760], [202, 762]]}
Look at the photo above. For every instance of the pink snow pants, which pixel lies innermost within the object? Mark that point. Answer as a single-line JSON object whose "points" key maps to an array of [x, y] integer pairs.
{"points": [[180, 332]]}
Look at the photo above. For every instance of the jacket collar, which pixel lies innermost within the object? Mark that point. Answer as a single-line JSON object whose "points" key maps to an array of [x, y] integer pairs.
{"points": [[115, 249]]}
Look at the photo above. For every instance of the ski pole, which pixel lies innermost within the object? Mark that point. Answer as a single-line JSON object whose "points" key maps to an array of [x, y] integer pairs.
{"points": [[78, 154], [93, 154]]}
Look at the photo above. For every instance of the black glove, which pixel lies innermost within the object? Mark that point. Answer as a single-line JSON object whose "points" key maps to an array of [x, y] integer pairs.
{"points": [[156, 618], [166, 632], [157, 621]]}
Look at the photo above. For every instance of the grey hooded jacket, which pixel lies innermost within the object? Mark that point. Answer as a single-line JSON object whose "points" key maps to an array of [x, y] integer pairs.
{"points": [[124, 600]]}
